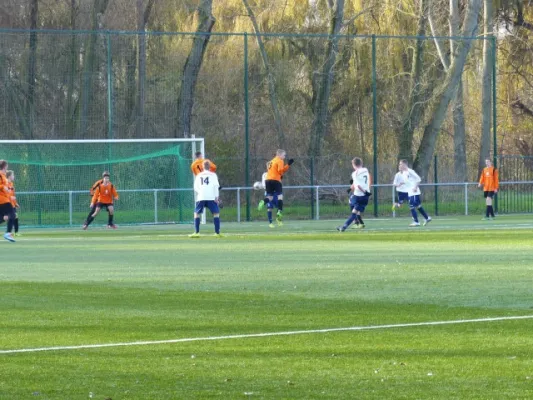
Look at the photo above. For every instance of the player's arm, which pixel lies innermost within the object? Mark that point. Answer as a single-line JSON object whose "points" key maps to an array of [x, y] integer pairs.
{"points": [[481, 179], [214, 181], [496, 180], [213, 167], [115, 193]]}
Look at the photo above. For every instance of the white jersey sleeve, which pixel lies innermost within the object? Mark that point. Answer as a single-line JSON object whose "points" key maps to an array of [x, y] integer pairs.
{"points": [[361, 180], [206, 186], [412, 180], [263, 180], [399, 183]]}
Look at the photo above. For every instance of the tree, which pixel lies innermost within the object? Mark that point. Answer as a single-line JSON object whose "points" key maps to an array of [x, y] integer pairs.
{"points": [[30, 99], [441, 100], [192, 66], [484, 148], [143, 14]]}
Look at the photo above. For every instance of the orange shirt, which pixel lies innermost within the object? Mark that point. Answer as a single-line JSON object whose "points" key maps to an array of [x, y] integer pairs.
{"points": [[95, 186], [105, 194], [5, 192], [489, 179], [13, 195], [276, 169], [197, 166]]}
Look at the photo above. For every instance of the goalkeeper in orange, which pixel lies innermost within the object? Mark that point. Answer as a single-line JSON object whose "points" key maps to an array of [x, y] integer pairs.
{"points": [[10, 175], [103, 197], [197, 165], [273, 187], [490, 183]]}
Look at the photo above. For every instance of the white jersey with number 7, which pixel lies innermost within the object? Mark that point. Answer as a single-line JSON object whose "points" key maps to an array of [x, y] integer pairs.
{"points": [[361, 178], [206, 186]]}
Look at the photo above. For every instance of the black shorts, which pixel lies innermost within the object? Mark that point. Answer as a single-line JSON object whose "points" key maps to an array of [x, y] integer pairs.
{"points": [[104, 205], [273, 188], [7, 209], [490, 194]]}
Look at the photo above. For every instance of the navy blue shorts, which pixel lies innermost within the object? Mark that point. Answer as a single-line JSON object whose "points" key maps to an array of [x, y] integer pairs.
{"points": [[358, 203], [210, 204], [402, 197], [414, 201]]}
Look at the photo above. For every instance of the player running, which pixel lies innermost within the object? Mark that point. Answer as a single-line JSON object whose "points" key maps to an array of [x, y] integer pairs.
{"points": [[401, 191], [361, 194], [412, 180], [10, 175], [206, 188]]}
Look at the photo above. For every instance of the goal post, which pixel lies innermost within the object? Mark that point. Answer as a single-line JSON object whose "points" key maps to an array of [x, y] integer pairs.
{"points": [[152, 176]]}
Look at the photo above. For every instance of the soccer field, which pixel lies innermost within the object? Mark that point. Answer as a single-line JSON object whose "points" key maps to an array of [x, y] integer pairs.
{"points": [[296, 312]]}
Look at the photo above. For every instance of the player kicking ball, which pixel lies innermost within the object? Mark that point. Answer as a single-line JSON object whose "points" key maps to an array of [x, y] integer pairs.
{"points": [[206, 188]]}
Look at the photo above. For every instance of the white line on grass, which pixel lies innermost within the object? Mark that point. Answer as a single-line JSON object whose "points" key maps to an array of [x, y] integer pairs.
{"points": [[268, 334]]}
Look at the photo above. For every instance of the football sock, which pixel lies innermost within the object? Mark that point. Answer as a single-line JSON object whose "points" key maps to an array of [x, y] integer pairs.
{"points": [[16, 224], [352, 218], [216, 221], [110, 219], [491, 211], [269, 215], [487, 212], [89, 220], [414, 214], [360, 220], [423, 212], [280, 205], [90, 213], [197, 224], [9, 225]]}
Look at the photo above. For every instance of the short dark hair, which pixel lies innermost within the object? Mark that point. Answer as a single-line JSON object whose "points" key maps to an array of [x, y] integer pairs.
{"points": [[198, 154], [3, 164], [404, 162], [105, 173], [207, 165], [357, 161]]}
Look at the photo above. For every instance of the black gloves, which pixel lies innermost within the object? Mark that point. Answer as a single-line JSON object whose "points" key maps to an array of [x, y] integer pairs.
{"points": [[291, 160], [348, 190], [351, 181], [367, 193]]}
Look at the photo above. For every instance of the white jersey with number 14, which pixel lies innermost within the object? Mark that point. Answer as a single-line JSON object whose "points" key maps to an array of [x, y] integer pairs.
{"points": [[206, 186]]}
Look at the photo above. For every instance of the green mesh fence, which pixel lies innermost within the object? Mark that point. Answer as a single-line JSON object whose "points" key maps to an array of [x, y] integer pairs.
{"points": [[53, 178]]}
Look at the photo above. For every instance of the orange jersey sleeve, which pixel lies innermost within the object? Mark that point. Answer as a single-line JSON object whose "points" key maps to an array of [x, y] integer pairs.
{"points": [[489, 179], [5, 193], [94, 199], [95, 186], [198, 166], [13, 195], [276, 169]]}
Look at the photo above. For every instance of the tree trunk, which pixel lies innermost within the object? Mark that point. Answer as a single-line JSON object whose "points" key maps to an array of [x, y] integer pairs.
{"points": [[484, 148], [98, 10], [270, 77], [143, 14], [30, 99], [415, 106], [440, 102], [192, 67], [459, 131], [325, 83]]}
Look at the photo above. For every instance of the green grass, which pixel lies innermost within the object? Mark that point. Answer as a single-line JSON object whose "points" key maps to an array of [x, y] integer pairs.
{"points": [[73, 288]]}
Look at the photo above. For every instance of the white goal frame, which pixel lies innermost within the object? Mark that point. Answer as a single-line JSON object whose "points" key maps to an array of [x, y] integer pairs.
{"points": [[194, 140]]}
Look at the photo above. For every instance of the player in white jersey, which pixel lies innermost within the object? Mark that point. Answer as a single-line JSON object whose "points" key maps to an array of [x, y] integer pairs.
{"points": [[361, 193], [206, 188], [401, 190], [412, 181]]}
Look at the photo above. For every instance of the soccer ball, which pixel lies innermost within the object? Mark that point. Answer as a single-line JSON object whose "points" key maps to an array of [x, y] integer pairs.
{"points": [[258, 185]]}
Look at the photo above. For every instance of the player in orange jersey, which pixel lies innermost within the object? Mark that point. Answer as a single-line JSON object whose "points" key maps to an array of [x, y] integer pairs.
{"points": [[103, 197], [490, 183], [276, 168], [197, 165], [91, 192], [10, 175], [6, 207]]}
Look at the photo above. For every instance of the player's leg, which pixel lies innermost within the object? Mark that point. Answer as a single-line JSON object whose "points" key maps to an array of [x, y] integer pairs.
{"points": [[8, 210], [215, 210], [16, 224], [489, 213], [414, 201], [91, 212], [197, 214], [427, 218], [92, 216], [110, 216], [360, 205], [279, 193]]}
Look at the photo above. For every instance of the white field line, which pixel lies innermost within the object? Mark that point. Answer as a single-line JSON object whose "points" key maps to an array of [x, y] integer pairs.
{"points": [[262, 335]]}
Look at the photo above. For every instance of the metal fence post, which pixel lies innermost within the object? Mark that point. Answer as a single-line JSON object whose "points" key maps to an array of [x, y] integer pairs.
{"points": [[70, 207], [375, 124], [436, 181], [239, 205], [155, 206], [317, 201], [466, 198], [246, 128], [393, 202]]}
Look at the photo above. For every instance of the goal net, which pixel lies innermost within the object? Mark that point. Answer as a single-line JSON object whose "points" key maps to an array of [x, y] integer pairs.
{"points": [[53, 178]]}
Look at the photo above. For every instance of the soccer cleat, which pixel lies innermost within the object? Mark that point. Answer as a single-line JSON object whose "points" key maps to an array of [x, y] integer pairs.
{"points": [[218, 235], [112, 226], [341, 228], [414, 224], [360, 226], [195, 235], [279, 222], [8, 236], [17, 234], [84, 227], [393, 207], [427, 221], [271, 225], [485, 219], [261, 205], [279, 214]]}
